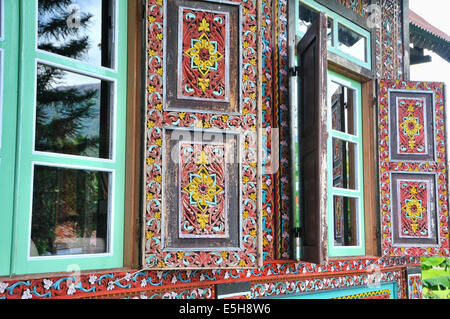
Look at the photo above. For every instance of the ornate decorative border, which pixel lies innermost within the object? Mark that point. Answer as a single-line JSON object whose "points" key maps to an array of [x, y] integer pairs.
{"points": [[414, 286], [147, 281], [296, 287]]}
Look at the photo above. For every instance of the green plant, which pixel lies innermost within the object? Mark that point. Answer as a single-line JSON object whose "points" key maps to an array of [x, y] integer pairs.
{"points": [[436, 277]]}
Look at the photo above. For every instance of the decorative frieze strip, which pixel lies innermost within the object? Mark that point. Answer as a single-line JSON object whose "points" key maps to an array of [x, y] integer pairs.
{"points": [[187, 293], [322, 284], [90, 285]]}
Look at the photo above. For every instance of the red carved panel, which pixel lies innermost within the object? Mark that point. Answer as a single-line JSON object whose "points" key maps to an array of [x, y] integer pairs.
{"points": [[203, 187], [414, 220], [204, 54], [411, 126]]}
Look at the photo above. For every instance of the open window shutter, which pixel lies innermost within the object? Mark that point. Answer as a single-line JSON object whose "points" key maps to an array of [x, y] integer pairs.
{"points": [[201, 143], [413, 169], [312, 55]]}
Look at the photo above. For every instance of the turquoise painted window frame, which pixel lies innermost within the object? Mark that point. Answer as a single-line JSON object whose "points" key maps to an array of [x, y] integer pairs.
{"points": [[343, 292], [338, 19], [23, 27], [358, 193], [9, 51]]}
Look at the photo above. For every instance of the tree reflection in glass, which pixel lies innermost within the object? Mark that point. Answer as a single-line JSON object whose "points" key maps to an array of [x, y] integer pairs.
{"points": [[70, 211], [78, 29], [72, 113], [73, 116]]}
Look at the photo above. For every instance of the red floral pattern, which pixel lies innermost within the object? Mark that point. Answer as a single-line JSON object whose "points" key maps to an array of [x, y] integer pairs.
{"points": [[411, 126], [203, 206], [414, 209], [204, 54]]}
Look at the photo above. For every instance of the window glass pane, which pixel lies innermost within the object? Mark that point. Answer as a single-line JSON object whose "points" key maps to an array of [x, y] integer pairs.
{"points": [[70, 211], [342, 109], [78, 29], [352, 43], [344, 164], [307, 16], [73, 113], [346, 223]]}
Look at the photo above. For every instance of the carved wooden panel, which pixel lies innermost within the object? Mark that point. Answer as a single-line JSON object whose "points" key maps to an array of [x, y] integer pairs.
{"points": [[201, 148], [203, 64], [413, 169]]}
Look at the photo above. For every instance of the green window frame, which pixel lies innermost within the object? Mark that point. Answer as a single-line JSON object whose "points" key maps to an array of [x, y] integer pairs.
{"points": [[358, 191], [338, 20], [9, 52], [21, 36]]}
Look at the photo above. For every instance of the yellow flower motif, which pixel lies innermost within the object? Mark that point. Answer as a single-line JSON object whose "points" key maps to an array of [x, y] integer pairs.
{"points": [[204, 54], [151, 89], [413, 210], [150, 123], [158, 215], [242, 263], [161, 264], [204, 26], [149, 196], [150, 161], [180, 255], [151, 19], [411, 127], [202, 159], [151, 52], [203, 220], [182, 115], [203, 84], [203, 190], [198, 124], [149, 234], [224, 254]]}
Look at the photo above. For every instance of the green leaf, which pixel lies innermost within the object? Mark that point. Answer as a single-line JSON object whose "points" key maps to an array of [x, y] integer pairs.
{"points": [[432, 261], [436, 283]]}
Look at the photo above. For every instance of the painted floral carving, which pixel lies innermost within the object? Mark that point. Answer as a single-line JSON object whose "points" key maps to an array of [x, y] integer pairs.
{"points": [[414, 216], [202, 174], [411, 126], [203, 54]]}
